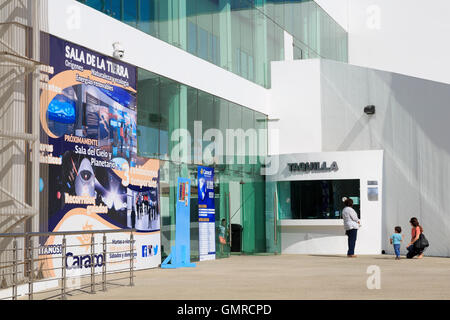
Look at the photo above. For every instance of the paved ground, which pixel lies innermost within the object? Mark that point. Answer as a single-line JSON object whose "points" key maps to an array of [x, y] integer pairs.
{"points": [[289, 277]]}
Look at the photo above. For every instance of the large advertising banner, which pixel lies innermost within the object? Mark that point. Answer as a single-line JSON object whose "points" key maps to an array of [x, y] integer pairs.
{"points": [[206, 214], [92, 178]]}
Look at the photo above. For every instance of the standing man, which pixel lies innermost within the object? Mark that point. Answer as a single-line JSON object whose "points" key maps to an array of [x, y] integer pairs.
{"points": [[351, 225]]}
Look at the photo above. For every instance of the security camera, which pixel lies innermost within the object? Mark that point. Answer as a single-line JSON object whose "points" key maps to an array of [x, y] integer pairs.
{"points": [[369, 110], [119, 51]]}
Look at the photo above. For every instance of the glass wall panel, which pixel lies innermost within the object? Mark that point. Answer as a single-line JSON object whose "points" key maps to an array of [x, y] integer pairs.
{"points": [[144, 16], [234, 160], [113, 8], [96, 4], [192, 116], [207, 116], [223, 123], [250, 140], [243, 36], [164, 106], [130, 12], [148, 119], [169, 114]]}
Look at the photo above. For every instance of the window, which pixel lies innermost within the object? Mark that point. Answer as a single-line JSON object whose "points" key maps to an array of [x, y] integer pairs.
{"points": [[316, 199], [192, 38], [130, 13], [203, 43], [113, 8]]}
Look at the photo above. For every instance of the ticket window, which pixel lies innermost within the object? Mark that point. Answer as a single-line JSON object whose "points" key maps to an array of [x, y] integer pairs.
{"points": [[316, 199]]}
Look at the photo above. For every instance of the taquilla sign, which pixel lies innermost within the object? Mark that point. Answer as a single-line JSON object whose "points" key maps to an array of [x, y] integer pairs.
{"points": [[313, 167]]}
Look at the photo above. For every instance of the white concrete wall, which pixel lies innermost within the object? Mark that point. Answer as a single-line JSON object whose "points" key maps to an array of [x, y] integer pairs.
{"points": [[70, 20], [411, 126], [295, 101], [402, 36], [328, 236], [337, 9]]}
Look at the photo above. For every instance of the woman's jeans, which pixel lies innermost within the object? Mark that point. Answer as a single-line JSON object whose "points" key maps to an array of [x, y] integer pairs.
{"points": [[412, 252], [351, 234], [397, 250]]}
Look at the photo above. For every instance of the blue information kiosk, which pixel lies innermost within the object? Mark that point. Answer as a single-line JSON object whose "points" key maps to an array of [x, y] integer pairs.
{"points": [[180, 256]]}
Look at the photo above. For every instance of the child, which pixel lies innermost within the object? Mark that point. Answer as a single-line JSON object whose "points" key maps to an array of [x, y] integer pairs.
{"points": [[396, 240], [222, 235]]}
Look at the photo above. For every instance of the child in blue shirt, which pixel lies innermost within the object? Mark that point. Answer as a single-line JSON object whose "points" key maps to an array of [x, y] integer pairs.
{"points": [[396, 240]]}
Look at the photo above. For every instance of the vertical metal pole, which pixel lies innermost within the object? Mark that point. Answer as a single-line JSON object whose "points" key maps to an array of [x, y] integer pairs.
{"points": [[31, 268], [63, 270], [14, 287], [36, 126], [275, 218], [92, 264], [104, 263], [131, 260], [229, 218]]}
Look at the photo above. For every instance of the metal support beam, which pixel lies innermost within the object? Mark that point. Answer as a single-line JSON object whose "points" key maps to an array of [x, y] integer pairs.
{"points": [[9, 194], [18, 60], [18, 212], [36, 125], [17, 223], [18, 136]]}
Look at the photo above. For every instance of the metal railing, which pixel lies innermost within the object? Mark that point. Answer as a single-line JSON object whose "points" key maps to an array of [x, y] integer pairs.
{"points": [[24, 266]]}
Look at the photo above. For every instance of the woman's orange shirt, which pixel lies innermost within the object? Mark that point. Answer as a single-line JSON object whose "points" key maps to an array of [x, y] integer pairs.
{"points": [[415, 231]]}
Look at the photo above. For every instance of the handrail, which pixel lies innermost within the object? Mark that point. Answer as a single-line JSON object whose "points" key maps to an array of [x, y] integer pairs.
{"points": [[62, 233], [25, 266]]}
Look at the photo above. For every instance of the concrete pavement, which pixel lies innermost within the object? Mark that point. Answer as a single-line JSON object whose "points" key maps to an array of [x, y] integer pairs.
{"points": [[288, 277]]}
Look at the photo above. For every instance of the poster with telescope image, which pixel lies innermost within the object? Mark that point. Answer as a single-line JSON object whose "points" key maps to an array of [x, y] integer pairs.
{"points": [[92, 177]]}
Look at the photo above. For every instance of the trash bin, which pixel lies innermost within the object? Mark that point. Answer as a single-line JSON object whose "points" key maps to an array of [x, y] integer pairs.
{"points": [[236, 238]]}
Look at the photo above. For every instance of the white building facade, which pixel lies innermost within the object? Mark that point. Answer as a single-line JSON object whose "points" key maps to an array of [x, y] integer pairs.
{"points": [[307, 85]]}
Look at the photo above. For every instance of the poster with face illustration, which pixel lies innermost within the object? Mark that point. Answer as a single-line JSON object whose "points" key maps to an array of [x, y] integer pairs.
{"points": [[92, 177]]}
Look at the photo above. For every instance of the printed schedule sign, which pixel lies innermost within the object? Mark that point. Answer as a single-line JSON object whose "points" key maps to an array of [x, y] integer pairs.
{"points": [[92, 177], [206, 214]]}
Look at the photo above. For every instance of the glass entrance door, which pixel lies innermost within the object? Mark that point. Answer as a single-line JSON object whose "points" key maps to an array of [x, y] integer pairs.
{"points": [[273, 227], [235, 205]]}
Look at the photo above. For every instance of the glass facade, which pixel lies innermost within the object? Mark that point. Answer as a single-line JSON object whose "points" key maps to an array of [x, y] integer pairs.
{"points": [[211, 124], [242, 36], [185, 127]]}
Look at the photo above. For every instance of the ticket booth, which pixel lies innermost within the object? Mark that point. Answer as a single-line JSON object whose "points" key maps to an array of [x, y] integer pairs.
{"points": [[308, 193]]}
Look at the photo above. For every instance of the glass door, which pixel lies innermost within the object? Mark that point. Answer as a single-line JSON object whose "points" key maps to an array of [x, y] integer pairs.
{"points": [[223, 227], [235, 216], [273, 227]]}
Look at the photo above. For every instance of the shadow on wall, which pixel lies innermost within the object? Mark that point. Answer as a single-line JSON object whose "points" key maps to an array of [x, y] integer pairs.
{"points": [[426, 169], [411, 126]]}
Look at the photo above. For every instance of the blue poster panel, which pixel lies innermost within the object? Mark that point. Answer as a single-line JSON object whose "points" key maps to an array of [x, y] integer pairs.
{"points": [[206, 214], [92, 177]]}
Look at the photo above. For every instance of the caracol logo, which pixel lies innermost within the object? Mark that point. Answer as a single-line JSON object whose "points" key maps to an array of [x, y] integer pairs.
{"points": [[149, 251], [80, 262]]}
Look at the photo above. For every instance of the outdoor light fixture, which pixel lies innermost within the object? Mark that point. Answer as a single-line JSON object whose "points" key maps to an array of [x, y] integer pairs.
{"points": [[369, 110]]}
